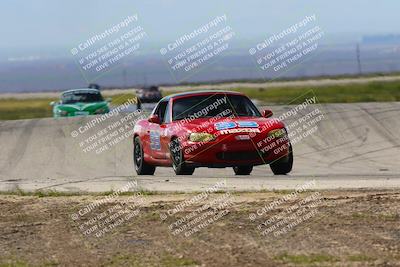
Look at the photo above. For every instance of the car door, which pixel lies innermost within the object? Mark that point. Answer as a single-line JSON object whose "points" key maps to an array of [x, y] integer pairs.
{"points": [[157, 132], [166, 131]]}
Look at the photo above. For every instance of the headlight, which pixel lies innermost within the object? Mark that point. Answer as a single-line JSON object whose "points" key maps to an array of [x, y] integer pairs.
{"points": [[277, 133], [62, 112], [100, 111], [201, 137]]}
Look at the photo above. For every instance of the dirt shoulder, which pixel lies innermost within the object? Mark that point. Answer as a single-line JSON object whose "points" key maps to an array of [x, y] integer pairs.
{"points": [[325, 228]]}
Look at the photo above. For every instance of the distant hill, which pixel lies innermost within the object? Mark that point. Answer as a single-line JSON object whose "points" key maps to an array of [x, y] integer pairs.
{"points": [[382, 39]]}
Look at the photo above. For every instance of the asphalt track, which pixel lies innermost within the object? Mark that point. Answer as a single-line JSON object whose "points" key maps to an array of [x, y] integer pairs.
{"points": [[355, 146]]}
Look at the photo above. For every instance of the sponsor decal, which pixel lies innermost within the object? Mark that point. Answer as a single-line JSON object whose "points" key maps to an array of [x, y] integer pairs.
{"points": [[220, 126], [224, 125], [247, 124], [155, 143], [242, 137], [240, 130]]}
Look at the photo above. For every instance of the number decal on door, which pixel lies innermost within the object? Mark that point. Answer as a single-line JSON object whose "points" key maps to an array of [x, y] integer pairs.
{"points": [[155, 142]]}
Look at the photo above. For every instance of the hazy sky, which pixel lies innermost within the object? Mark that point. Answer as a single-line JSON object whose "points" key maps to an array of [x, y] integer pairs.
{"points": [[32, 23]]}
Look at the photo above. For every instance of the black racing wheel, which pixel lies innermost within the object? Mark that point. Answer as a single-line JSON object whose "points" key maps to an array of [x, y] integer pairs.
{"points": [[283, 165], [178, 161], [242, 170], [141, 167]]}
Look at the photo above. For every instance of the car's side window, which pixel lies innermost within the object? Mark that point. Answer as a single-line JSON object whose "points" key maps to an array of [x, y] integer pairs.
{"points": [[167, 116], [160, 111]]}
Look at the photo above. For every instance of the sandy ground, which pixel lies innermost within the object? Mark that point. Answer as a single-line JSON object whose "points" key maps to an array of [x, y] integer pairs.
{"points": [[347, 228], [223, 86]]}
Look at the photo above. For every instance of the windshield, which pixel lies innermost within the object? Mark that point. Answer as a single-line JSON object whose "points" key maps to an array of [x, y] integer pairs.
{"points": [[206, 106], [85, 97]]}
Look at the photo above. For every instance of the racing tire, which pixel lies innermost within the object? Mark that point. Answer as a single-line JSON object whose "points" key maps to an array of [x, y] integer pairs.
{"points": [[242, 170], [283, 165], [178, 161], [141, 167]]}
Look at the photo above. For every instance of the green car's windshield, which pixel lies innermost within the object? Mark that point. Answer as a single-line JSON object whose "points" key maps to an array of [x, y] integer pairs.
{"points": [[206, 106], [84, 97]]}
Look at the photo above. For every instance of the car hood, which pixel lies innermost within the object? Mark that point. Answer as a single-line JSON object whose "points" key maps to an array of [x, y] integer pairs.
{"points": [[214, 126], [79, 106]]}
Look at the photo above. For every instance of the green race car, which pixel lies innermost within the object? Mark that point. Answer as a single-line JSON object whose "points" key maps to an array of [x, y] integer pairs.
{"points": [[80, 102]]}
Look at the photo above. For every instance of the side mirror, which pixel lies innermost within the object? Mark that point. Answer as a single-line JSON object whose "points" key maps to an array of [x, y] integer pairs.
{"points": [[52, 103], [154, 119], [267, 113]]}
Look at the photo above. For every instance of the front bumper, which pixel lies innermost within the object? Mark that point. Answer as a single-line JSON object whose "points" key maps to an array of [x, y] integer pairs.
{"points": [[227, 151]]}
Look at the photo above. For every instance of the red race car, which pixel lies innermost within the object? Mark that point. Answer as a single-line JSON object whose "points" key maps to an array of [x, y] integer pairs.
{"points": [[214, 129]]}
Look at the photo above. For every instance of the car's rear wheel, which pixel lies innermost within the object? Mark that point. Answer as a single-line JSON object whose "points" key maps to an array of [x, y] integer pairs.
{"points": [[243, 170], [178, 161], [141, 167], [283, 165]]}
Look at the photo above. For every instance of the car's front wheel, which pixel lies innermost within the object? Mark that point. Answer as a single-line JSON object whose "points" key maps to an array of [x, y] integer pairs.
{"points": [[242, 170], [283, 165], [178, 161], [141, 167]]}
